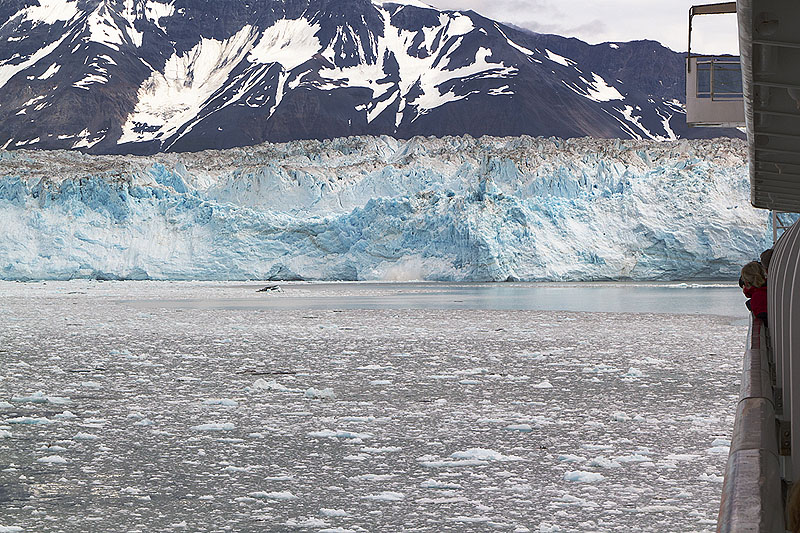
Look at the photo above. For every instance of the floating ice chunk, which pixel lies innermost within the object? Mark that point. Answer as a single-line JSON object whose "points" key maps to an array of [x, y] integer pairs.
{"points": [[469, 519], [282, 477], [384, 449], [85, 436], [714, 478], [542, 385], [471, 457], [386, 496], [721, 442], [380, 382], [221, 401], [633, 372], [336, 530], [583, 476], [143, 422], [10, 529], [305, 522], [66, 415], [41, 397], [597, 447], [333, 512], [603, 462], [262, 384], [632, 458], [433, 484], [5, 405], [326, 394], [52, 459], [91, 385], [213, 426], [546, 527], [682, 457], [52, 448], [569, 458], [5, 434], [373, 477], [619, 416], [469, 382], [33, 420], [283, 495], [718, 450], [179, 525], [356, 457], [361, 419], [483, 454], [520, 427], [440, 501], [373, 367], [339, 434], [602, 368]]}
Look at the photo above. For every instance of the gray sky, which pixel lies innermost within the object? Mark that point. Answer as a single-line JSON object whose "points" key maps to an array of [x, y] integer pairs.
{"points": [[596, 21]]}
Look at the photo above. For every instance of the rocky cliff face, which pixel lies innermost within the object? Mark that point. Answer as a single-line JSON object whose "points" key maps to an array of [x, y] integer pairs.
{"points": [[142, 76]]}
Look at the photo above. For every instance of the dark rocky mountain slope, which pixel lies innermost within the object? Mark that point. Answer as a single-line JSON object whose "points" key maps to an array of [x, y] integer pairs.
{"points": [[142, 76]]}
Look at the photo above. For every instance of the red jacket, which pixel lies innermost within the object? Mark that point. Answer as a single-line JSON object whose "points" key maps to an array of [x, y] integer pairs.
{"points": [[758, 300]]}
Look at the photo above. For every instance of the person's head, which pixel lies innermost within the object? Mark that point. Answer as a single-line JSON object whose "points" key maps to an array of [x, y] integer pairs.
{"points": [[766, 255], [753, 275]]}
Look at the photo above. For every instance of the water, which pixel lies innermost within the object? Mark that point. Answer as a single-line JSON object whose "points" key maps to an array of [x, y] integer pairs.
{"points": [[366, 407], [723, 299]]}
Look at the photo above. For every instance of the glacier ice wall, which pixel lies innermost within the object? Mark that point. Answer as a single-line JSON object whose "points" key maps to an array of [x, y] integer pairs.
{"points": [[365, 208]]}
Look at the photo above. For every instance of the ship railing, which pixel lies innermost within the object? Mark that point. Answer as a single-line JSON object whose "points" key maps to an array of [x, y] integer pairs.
{"points": [[752, 490]]}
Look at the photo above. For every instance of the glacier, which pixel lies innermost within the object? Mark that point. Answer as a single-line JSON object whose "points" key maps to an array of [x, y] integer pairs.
{"points": [[379, 208]]}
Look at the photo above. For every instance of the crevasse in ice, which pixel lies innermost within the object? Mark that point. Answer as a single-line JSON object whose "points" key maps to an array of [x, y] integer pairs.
{"points": [[377, 208]]}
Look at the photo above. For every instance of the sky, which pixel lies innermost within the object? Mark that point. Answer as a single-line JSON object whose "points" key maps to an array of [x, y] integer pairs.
{"points": [[597, 21]]}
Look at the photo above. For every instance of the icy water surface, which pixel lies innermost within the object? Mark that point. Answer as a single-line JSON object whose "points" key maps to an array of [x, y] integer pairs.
{"points": [[157, 406]]}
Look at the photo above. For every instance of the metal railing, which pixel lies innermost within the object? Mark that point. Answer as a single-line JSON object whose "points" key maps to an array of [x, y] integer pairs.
{"points": [[752, 492], [718, 78], [714, 91]]}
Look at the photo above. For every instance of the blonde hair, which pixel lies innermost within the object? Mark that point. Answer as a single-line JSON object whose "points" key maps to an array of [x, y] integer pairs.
{"points": [[753, 274]]}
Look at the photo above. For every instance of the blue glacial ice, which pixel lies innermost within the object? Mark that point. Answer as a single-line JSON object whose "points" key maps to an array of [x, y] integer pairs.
{"points": [[377, 208]]}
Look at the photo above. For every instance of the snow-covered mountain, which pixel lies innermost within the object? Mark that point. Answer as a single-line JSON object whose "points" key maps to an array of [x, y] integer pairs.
{"points": [[145, 76], [365, 208]]}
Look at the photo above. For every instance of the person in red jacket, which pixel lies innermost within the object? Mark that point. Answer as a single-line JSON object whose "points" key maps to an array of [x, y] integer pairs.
{"points": [[754, 286]]}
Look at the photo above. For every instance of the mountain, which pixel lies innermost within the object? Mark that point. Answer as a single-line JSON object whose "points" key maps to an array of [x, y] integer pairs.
{"points": [[145, 76], [378, 208]]}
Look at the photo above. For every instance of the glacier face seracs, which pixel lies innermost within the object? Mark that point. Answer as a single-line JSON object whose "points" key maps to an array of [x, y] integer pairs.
{"points": [[366, 208]]}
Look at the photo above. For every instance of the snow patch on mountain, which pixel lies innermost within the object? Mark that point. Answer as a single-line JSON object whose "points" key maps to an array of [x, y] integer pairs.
{"points": [[50, 12], [155, 11], [288, 42], [169, 100], [561, 60], [600, 91], [8, 70]]}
